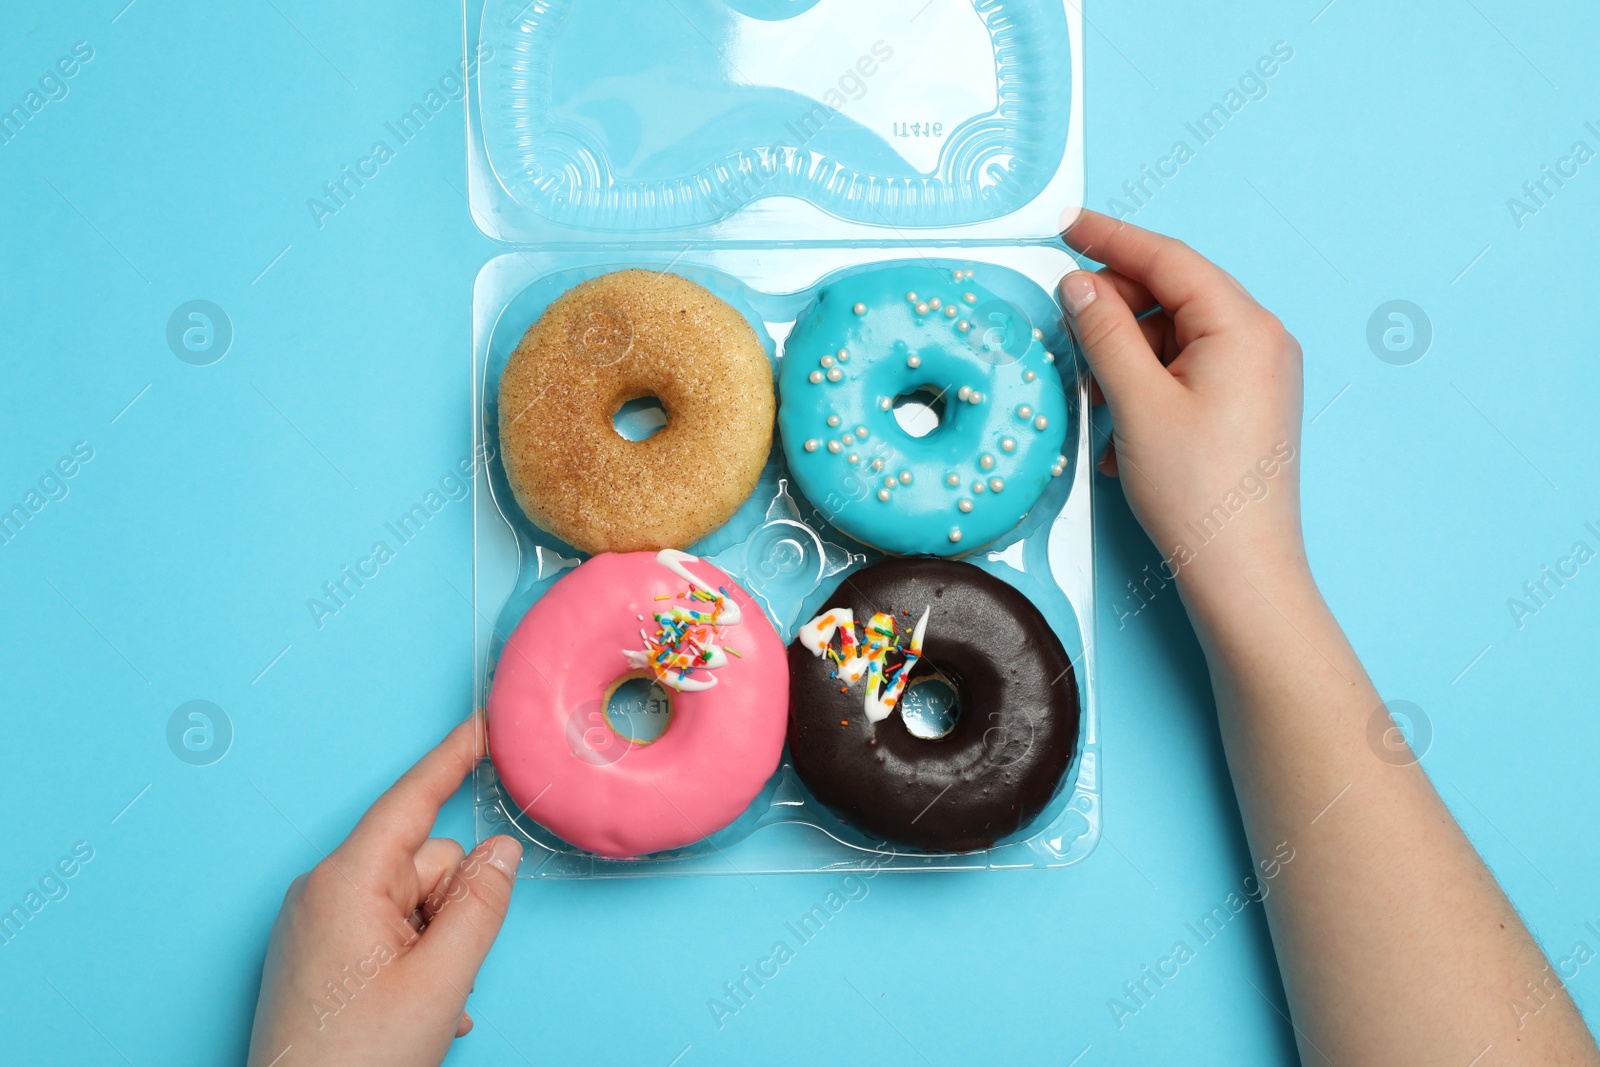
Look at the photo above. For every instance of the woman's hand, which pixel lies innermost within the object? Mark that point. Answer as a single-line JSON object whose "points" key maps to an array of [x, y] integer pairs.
{"points": [[376, 949], [1205, 397]]}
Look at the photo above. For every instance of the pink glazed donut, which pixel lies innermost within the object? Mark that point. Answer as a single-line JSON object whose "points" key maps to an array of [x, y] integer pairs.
{"points": [[622, 616]]}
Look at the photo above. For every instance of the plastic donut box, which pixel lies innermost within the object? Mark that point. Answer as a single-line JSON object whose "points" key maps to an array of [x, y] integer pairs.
{"points": [[764, 149]]}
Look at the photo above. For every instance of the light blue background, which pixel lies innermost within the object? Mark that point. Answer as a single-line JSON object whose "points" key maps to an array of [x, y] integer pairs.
{"points": [[1378, 167]]}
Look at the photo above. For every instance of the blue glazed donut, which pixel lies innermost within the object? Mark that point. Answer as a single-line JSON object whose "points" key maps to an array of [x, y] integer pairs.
{"points": [[871, 338]]}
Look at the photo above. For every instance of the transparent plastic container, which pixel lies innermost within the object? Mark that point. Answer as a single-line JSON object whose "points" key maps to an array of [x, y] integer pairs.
{"points": [[765, 148]]}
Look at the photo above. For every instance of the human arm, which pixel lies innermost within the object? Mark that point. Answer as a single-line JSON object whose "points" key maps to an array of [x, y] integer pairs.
{"points": [[375, 950], [1395, 943]]}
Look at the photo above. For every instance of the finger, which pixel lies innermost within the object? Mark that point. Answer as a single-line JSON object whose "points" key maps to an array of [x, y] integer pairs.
{"points": [[469, 913], [401, 820], [464, 1027], [1139, 299], [1184, 281], [1111, 340], [437, 857], [1107, 464]]}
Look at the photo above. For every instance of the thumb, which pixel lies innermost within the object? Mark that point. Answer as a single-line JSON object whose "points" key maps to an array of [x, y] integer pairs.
{"points": [[1122, 360], [467, 911]]}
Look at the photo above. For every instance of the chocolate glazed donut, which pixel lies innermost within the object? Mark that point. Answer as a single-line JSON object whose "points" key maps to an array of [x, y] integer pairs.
{"points": [[1015, 736]]}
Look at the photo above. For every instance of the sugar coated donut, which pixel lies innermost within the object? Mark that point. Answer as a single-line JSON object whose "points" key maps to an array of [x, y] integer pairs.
{"points": [[667, 616], [871, 338], [896, 634], [618, 338]]}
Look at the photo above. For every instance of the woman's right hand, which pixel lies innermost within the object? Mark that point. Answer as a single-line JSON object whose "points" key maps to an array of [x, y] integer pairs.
{"points": [[1205, 398]]}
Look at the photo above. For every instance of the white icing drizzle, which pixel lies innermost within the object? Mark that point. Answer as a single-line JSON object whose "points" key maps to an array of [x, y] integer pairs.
{"points": [[724, 612], [856, 661]]}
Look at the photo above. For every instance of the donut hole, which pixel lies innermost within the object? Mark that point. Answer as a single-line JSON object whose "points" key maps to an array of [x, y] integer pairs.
{"points": [[921, 411], [640, 419], [930, 707], [638, 708]]}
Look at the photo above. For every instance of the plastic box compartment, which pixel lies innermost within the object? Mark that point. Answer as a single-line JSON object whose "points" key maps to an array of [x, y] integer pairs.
{"points": [[764, 148]]}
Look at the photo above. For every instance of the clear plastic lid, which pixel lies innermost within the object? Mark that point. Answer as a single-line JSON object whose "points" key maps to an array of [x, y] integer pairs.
{"points": [[774, 121]]}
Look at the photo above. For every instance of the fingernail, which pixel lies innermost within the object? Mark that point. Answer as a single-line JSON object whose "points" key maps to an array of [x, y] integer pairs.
{"points": [[1077, 292], [505, 854]]}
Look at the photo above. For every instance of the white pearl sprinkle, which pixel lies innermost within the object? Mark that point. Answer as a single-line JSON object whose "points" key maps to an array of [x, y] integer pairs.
{"points": [[1049, 357], [986, 461], [835, 447], [996, 485], [1029, 376], [913, 362], [905, 477], [835, 374], [861, 309], [951, 312], [826, 361], [964, 504], [971, 298], [815, 377], [959, 275], [964, 392], [889, 482], [853, 458], [848, 438], [912, 297], [883, 495], [877, 464], [936, 303], [1041, 423], [922, 309], [1038, 334], [955, 534], [978, 486], [975, 398], [833, 420], [884, 403], [861, 432], [1008, 444], [844, 355], [952, 480], [813, 444], [1023, 412], [963, 325]]}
